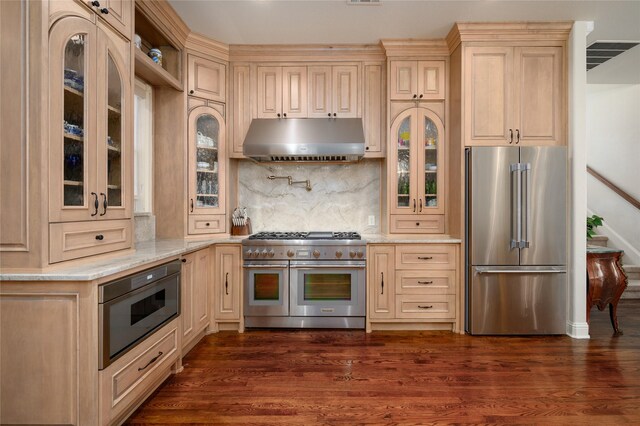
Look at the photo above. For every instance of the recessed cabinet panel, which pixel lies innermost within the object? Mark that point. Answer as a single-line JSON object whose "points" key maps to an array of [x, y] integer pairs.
{"points": [[269, 92], [345, 91], [228, 271], [373, 113], [403, 80], [431, 79], [119, 15], [241, 107], [294, 96], [381, 287], [207, 79], [319, 91]]}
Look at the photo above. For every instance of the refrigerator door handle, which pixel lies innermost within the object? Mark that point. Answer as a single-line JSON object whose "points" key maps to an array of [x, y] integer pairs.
{"points": [[489, 270], [526, 171], [516, 205]]}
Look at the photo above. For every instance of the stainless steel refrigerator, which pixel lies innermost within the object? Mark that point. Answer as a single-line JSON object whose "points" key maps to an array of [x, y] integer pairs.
{"points": [[516, 280]]}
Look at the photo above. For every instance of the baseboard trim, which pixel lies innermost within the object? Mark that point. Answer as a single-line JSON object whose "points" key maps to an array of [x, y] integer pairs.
{"points": [[578, 330]]}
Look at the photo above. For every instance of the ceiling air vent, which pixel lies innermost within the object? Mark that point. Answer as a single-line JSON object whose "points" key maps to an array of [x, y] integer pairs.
{"points": [[364, 2], [600, 52]]}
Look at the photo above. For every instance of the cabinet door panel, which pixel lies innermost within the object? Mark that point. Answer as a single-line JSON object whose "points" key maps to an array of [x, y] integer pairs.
{"points": [[431, 163], [403, 164], [403, 80], [431, 79], [539, 95], [294, 96], [269, 92], [488, 97], [319, 91], [228, 283], [207, 79], [345, 91], [373, 114], [201, 290], [119, 16], [241, 107], [381, 285], [187, 280]]}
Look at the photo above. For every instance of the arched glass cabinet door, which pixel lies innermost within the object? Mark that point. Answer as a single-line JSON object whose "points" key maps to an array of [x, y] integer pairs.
{"points": [[206, 161], [403, 185], [431, 163], [72, 47]]}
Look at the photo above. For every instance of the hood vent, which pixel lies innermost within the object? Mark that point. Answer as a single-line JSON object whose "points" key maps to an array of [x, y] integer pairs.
{"points": [[305, 140]]}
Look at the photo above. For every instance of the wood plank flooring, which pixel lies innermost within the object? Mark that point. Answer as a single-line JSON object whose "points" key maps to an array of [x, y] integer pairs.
{"points": [[351, 378]]}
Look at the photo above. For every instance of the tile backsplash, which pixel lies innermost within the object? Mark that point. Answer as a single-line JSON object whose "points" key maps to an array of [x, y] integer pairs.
{"points": [[342, 198]]}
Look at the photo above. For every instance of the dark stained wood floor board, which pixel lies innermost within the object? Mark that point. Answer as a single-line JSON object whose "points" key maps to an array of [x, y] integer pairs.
{"points": [[346, 377]]}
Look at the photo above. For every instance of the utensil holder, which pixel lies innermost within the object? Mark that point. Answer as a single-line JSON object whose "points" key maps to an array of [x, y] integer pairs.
{"points": [[241, 230]]}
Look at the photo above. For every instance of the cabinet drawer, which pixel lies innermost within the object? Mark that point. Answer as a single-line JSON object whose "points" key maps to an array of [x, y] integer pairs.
{"points": [[128, 379], [206, 224], [425, 282], [80, 239], [432, 256], [417, 224], [427, 306]]}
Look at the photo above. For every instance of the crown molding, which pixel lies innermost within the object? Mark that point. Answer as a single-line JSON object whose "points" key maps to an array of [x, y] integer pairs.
{"points": [[165, 18], [415, 47], [305, 52], [199, 43]]}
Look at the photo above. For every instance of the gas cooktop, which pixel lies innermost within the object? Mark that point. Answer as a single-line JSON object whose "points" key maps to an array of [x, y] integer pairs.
{"points": [[305, 236]]}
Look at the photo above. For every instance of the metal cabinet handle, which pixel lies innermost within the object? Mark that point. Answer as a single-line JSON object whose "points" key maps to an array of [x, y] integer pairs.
{"points": [[425, 257], [104, 10], [517, 136], [382, 283], [420, 205], [154, 359], [95, 3], [226, 284], [414, 205], [510, 135], [425, 307], [425, 282], [192, 205], [99, 237], [104, 203], [96, 204]]}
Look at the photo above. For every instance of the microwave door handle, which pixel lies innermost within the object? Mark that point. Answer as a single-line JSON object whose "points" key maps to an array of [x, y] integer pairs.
{"points": [[526, 197]]}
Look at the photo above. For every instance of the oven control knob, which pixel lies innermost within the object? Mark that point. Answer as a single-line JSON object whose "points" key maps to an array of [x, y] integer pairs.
{"points": [[290, 253], [360, 254], [256, 253], [352, 254], [248, 253], [264, 253], [271, 253], [316, 254], [339, 254]]}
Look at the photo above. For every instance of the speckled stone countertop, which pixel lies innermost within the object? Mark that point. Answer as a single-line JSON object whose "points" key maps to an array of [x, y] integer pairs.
{"points": [[411, 239], [145, 252]]}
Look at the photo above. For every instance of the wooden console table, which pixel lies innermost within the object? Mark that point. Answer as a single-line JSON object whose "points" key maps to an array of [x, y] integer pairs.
{"points": [[606, 281]]}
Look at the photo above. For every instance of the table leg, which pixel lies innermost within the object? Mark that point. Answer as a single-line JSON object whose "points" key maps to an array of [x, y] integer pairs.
{"points": [[613, 313]]}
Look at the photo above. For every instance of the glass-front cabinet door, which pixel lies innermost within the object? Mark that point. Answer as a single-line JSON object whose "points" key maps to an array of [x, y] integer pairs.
{"points": [[72, 183], [403, 160], [431, 154], [206, 161], [114, 126]]}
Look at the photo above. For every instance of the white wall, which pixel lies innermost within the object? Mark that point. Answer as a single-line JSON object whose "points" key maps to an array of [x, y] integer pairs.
{"points": [[613, 150]]}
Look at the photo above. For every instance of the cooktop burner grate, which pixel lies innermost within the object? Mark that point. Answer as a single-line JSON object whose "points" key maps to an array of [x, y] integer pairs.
{"points": [[305, 236]]}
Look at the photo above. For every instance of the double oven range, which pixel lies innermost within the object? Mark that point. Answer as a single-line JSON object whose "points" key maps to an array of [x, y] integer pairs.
{"points": [[304, 280]]}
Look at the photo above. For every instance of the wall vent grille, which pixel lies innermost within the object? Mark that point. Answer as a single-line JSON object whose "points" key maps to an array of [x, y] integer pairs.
{"points": [[364, 2], [600, 52]]}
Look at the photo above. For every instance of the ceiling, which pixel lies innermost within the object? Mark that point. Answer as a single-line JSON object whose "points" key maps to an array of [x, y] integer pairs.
{"points": [[334, 21]]}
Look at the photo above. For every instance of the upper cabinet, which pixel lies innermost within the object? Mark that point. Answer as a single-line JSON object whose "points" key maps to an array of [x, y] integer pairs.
{"points": [[333, 91], [207, 79], [117, 13], [374, 109], [90, 155], [417, 80], [282, 92]]}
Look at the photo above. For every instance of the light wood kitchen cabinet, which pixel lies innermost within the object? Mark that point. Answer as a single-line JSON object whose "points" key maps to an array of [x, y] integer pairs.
{"points": [[240, 107], [206, 78], [90, 155], [416, 171], [282, 92], [380, 281], [207, 158], [514, 95], [194, 295], [333, 91], [117, 13], [228, 283], [417, 80], [374, 109]]}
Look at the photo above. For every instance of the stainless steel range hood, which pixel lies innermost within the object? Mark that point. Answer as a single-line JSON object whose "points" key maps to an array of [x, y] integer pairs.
{"points": [[305, 139]]}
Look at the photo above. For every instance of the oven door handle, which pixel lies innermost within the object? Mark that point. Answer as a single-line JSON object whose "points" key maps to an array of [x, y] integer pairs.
{"points": [[265, 266], [311, 267]]}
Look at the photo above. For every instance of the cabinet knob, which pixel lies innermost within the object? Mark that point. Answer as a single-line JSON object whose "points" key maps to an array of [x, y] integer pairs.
{"points": [[417, 223], [415, 96], [95, 3], [420, 96], [104, 10], [191, 92], [366, 148], [99, 237], [334, 114], [285, 115], [184, 260], [278, 115], [329, 115], [207, 224]]}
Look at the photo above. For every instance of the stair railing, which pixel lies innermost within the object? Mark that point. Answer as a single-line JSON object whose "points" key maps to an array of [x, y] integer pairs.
{"points": [[615, 188]]}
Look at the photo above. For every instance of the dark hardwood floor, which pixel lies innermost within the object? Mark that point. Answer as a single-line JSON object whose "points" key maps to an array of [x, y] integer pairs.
{"points": [[351, 378]]}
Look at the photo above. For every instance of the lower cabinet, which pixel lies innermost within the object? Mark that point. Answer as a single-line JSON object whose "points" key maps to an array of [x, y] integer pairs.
{"points": [[135, 375], [194, 302], [412, 284], [228, 287]]}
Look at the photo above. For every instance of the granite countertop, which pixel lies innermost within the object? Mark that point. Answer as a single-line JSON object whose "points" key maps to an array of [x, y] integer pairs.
{"points": [[145, 252], [153, 251]]}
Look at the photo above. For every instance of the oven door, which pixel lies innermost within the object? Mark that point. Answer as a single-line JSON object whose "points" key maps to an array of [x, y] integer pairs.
{"points": [[127, 319], [266, 291], [328, 289]]}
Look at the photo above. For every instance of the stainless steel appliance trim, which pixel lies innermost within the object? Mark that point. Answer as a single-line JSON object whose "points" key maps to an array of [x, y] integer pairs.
{"points": [[482, 270], [264, 266], [114, 289], [304, 322], [266, 307], [526, 172], [312, 266]]}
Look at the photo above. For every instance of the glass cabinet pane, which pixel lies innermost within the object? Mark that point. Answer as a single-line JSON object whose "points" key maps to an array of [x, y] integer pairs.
{"points": [[75, 149], [207, 131], [431, 146], [114, 135], [404, 162]]}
